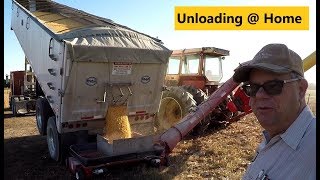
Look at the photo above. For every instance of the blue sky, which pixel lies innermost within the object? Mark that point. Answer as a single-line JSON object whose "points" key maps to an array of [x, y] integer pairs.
{"points": [[156, 18]]}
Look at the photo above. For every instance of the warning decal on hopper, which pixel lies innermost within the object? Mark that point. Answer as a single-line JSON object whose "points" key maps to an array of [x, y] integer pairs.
{"points": [[121, 68]]}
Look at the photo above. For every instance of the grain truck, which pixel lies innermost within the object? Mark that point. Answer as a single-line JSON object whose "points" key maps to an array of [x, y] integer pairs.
{"points": [[83, 64], [23, 91], [86, 64]]}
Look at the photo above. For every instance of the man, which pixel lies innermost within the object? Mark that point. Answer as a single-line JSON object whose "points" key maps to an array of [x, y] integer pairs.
{"points": [[275, 82]]}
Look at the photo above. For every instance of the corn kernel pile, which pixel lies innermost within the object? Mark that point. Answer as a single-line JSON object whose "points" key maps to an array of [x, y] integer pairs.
{"points": [[117, 125], [60, 23]]}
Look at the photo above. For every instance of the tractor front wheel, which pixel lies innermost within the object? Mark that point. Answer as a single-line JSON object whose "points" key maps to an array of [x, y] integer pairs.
{"points": [[175, 104]]}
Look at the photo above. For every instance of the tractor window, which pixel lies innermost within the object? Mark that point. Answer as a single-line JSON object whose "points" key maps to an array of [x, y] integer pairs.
{"points": [[213, 68], [191, 64], [173, 67]]}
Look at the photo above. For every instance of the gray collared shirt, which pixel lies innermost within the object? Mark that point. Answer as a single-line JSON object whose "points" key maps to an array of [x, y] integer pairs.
{"points": [[291, 155]]}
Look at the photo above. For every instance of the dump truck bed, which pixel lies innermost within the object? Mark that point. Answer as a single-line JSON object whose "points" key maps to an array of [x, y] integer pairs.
{"points": [[84, 63], [58, 19]]}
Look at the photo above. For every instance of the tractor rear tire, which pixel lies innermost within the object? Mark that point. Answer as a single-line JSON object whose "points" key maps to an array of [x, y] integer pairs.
{"points": [[175, 104], [202, 126], [198, 95]]}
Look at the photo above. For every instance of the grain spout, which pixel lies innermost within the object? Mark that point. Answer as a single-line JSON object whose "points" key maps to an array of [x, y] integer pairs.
{"points": [[117, 124]]}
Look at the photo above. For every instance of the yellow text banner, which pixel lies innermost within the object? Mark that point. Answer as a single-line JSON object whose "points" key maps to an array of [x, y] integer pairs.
{"points": [[241, 18]]}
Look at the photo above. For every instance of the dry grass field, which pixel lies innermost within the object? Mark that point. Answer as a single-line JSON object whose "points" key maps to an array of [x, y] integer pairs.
{"points": [[311, 100], [219, 154], [6, 98]]}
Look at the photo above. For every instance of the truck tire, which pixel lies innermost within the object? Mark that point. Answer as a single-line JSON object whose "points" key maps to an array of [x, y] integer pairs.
{"points": [[198, 95], [13, 107], [43, 112], [176, 103], [53, 139], [79, 174], [10, 102]]}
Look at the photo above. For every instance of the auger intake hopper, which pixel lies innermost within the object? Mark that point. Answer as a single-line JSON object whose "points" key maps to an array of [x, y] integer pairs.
{"points": [[123, 151]]}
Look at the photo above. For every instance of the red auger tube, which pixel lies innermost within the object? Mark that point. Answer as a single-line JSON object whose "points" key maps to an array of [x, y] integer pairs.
{"points": [[174, 135]]}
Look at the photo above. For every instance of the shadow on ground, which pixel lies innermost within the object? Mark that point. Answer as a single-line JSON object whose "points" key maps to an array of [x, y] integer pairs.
{"points": [[28, 158], [8, 114]]}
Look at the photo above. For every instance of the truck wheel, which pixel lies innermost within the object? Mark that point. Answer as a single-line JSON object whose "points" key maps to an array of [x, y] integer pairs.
{"points": [[10, 102], [175, 104], [80, 175], [13, 107], [43, 112], [53, 139], [198, 95]]}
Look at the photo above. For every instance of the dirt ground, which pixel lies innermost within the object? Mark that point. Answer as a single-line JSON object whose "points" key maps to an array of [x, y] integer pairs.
{"points": [[219, 154]]}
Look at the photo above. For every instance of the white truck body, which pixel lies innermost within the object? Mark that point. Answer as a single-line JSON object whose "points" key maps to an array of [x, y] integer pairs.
{"points": [[82, 71]]}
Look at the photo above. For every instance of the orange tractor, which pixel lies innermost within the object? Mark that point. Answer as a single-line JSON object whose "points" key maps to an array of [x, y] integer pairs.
{"points": [[192, 76]]}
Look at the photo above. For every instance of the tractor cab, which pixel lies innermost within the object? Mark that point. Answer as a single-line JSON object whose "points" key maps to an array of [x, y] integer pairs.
{"points": [[197, 67], [192, 76]]}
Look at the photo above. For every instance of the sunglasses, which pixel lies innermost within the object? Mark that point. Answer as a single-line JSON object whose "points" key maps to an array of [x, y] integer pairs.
{"points": [[273, 87]]}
